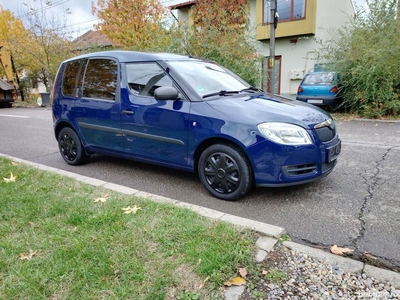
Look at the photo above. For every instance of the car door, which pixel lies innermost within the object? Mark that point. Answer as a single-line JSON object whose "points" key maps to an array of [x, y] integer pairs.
{"points": [[154, 130], [97, 111]]}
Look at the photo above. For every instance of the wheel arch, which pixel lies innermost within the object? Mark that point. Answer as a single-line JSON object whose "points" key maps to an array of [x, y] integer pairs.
{"points": [[60, 125], [219, 140]]}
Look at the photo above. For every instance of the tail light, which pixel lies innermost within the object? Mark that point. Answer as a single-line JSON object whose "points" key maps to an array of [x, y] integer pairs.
{"points": [[334, 90], [299, 89]]}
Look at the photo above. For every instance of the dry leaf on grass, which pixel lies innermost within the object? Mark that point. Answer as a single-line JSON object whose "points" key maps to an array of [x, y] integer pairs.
{"points": [[31, 254], [11, 179], [101, 199], [264, 272], [129, 209], [204, 281], [243, 272], [14, 163], [340, 251], [235, 281]]}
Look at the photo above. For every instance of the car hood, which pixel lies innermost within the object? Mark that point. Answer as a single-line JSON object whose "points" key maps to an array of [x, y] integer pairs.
{"points": [[261, 108]]}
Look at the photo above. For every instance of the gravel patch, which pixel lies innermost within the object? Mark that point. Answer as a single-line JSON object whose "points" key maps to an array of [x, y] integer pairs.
{"points": [[292, 274]]}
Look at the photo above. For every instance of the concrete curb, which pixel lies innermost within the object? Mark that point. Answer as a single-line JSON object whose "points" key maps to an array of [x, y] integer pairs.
{"points": [[265, 244], [348, 264], [266, 229]]}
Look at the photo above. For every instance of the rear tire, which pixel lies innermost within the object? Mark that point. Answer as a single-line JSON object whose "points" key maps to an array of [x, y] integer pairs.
{"points": [[225, 172], [71, 148]]}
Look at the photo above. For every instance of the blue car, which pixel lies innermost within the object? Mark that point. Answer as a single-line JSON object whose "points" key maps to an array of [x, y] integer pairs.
{"points": [[190, 114], [320, 88]]}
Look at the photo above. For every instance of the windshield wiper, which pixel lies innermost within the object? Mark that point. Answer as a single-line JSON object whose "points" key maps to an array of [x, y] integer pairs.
{"points": [[220, 93], [224, 93], [251, 89]]}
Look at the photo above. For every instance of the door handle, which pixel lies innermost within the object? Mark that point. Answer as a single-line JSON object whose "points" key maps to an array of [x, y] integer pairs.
{"points": [[127, 112]]}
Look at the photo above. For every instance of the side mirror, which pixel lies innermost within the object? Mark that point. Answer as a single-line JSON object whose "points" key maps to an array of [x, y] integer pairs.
{"points": [[166, 93]]}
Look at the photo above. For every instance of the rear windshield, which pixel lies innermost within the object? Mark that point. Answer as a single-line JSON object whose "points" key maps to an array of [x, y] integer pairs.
{"points": [[320, 78]]}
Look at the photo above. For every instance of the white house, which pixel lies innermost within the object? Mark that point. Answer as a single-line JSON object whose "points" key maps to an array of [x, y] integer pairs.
{"points": [[302, 23]]}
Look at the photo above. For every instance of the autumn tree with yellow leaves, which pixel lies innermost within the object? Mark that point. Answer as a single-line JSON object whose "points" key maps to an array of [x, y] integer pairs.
{"points": [[50, 42], [220, 31], [37, 41], [12, 34], [134, 25]]}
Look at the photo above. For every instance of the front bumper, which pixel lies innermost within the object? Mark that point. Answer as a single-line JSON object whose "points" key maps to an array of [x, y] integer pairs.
{"points": [[279, 165]]}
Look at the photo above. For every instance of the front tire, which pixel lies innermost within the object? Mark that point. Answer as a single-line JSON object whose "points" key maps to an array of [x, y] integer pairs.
{"points": [[71, 148], [225, 172]]}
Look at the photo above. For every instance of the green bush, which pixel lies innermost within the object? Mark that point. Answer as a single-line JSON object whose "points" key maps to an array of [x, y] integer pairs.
{"points": [[366, 55]]}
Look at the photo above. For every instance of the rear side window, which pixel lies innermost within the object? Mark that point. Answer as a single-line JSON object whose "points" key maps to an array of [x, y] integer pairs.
{"points": [[70, 75], [100, 79]]}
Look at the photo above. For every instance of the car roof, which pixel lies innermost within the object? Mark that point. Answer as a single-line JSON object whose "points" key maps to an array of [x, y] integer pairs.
{"points": [[133, 56], [320, 72]]}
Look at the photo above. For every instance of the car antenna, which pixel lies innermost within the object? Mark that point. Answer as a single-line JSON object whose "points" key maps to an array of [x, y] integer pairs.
{"points": [[176, 19]]}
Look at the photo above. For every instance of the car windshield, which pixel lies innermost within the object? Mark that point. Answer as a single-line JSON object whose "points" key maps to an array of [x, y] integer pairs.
{"points": [[209, 79], [320, 78]]}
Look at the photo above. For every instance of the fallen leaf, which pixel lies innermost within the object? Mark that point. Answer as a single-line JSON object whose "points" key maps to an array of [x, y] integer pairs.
{"points": [[264, 272], [11, 179], [204, 281], [340, 251], [101, 199], [14, 163], [235, 281], [129, 209], [31, 254], [366, 254], [243, 272]]}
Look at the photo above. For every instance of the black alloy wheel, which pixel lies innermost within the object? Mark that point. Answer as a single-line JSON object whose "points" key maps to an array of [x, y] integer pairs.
{"points": [[225, 172], [71, 148]]}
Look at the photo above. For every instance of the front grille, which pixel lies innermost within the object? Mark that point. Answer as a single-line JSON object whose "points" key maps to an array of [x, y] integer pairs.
{"points": [[298, 170], [326, 133]]}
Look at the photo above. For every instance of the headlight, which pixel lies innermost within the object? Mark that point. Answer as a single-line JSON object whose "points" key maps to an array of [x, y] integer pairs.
{"points": [[284, 133]]}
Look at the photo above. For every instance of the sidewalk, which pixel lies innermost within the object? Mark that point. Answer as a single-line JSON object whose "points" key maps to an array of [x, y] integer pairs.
{"points": [[369, 282]]}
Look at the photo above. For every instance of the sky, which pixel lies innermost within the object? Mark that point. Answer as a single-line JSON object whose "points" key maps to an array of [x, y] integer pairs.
{"points": [[81, 19]]}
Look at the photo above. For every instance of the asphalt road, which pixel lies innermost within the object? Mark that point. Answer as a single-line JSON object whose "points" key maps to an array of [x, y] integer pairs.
{"points": [[356, 206]]}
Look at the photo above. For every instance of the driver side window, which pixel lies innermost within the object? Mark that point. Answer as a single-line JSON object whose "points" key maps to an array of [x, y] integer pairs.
{"points": [[145, 78]]}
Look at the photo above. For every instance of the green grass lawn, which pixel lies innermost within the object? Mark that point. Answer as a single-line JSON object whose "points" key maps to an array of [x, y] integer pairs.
{"points": [[62, 239]]}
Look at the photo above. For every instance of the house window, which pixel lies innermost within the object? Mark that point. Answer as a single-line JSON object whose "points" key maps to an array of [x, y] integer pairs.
{"points": [[288, 10]]}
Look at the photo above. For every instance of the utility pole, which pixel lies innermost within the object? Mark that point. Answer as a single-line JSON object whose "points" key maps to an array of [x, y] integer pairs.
{"points": [[273, 23]]}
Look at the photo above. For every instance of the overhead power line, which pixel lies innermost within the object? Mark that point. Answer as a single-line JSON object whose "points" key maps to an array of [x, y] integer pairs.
{"points": [[44, 8]]}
